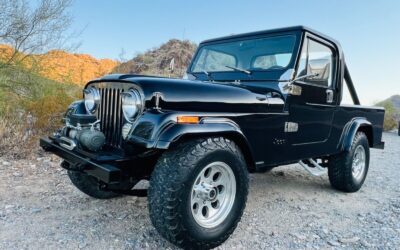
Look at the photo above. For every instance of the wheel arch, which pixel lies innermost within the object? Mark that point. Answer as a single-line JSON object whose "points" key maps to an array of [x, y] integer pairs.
{"points": [[350, 130], [222, 128]]}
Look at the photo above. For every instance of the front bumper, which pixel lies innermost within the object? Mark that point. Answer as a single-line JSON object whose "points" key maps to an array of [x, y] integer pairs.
{"points": [[96, 166]]}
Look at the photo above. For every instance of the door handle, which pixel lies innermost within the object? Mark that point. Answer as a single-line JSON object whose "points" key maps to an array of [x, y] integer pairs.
{"points": [[329, 95]]}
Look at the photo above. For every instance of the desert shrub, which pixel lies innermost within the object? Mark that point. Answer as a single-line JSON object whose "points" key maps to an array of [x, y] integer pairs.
{"points": [[390, 122], [30, 107], [15, 139], [47, 112]]}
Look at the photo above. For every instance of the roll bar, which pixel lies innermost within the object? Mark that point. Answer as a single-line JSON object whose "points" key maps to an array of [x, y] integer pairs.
{"points": [[350, 86]]}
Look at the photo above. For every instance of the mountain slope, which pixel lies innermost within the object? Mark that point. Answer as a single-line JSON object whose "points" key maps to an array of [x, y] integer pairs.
{"points": [[156, 61], [62, 66], [394, 100]]}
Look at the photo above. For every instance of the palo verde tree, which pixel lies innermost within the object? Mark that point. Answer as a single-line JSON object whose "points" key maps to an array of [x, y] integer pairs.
{"points": [[32, 27]]}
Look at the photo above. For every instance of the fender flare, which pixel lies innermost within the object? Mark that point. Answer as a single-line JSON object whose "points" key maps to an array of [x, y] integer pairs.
{"points": [[207, 127], [350, 131]]}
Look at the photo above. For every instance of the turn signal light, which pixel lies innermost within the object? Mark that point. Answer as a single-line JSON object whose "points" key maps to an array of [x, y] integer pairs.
{"points": [[188, 119]]}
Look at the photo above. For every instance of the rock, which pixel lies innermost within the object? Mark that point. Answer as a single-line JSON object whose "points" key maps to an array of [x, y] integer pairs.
{"points": [[17, 174], [132, 200], [333, 243], [299, 236], [35, 210], [82, 245], [8, 207], [366, 244], [349, 240], [123, 216], [315, 236]]}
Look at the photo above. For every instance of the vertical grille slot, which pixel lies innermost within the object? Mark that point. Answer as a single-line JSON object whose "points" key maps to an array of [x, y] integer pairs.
{"points": [[110, 115]]}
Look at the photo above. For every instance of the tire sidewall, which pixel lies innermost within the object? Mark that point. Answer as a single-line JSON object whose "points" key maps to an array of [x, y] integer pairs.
{"points": [[238, 167], [363, 141]]}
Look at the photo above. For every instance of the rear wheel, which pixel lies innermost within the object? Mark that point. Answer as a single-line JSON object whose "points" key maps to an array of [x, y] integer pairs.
{"points": [[347, 171], [198, 192]]}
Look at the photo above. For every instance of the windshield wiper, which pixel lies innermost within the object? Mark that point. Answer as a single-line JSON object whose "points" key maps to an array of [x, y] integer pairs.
{"points": [[239, 69], [208, 74]]}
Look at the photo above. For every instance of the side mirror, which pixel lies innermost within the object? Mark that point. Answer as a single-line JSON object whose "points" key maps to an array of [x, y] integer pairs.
{"points": [[320, 68], [292, 89]]}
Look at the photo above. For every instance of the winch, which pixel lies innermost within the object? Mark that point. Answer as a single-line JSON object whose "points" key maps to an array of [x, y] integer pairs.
{"points": [[82, 130]]}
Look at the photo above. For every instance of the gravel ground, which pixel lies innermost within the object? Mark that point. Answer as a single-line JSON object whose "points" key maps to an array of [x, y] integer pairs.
{"points": [[287, 208]]}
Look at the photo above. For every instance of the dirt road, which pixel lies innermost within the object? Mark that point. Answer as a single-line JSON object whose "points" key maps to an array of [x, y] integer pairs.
{"points": [[287, 208]]}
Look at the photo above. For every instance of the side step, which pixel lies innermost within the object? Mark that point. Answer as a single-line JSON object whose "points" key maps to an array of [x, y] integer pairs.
{"points": [[312, 167]]}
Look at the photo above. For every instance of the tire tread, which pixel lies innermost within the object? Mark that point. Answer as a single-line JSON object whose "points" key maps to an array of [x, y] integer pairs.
{"points": [[165, 191], [339, 170]]}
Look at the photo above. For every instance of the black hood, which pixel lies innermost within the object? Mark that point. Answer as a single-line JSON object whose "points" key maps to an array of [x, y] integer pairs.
{"points": [[193, 95]]}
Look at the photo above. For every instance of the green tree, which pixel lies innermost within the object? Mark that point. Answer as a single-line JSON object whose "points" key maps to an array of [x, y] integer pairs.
{"points": [[389, 122]]}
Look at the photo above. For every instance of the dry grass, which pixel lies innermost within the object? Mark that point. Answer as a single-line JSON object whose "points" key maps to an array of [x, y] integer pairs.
{"points": [[16, 139], [30, 107]]}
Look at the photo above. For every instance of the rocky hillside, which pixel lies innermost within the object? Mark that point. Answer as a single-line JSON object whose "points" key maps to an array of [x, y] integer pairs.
{"points": [[62, 66], [156, 61], [394, 100]]}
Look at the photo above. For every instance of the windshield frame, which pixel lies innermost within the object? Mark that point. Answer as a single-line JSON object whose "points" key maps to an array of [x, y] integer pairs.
{"points": [[256, 74]]}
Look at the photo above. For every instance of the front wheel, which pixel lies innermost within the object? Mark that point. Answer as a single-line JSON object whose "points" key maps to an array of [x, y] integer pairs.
{"points": [[198, 192], [347, 171]]}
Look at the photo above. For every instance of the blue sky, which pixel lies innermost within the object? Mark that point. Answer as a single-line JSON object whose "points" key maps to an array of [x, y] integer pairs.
{"points": [[369, 31]]}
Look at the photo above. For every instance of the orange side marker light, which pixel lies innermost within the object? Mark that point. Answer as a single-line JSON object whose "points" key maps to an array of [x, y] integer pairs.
{"points": [[188, 119]]}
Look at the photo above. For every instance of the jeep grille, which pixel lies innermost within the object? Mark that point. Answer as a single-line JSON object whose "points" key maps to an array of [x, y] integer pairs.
{"points": [[110, 115]]}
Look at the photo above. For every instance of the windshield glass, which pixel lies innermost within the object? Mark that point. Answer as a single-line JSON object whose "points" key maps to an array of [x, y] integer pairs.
{"points": [[270, 53]]}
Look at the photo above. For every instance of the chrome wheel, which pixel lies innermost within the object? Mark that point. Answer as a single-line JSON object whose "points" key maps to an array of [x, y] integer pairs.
{"points": [[358, 166], [213, 194]]}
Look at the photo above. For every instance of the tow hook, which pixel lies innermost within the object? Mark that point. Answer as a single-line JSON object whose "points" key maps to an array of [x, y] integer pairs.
{"points": [[67, 143], [66, 165]]}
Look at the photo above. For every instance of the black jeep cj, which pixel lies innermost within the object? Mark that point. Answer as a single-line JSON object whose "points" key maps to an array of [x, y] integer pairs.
{"points": [[248, 103]]}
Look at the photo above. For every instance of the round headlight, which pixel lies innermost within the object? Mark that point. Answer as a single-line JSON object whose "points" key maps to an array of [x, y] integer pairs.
{"points": [[92, 99], [131, 104]]}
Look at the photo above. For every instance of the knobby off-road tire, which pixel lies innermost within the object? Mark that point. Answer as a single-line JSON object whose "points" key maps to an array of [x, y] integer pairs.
{"points": [[90, 185], [174, 189], [347, 171]]}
